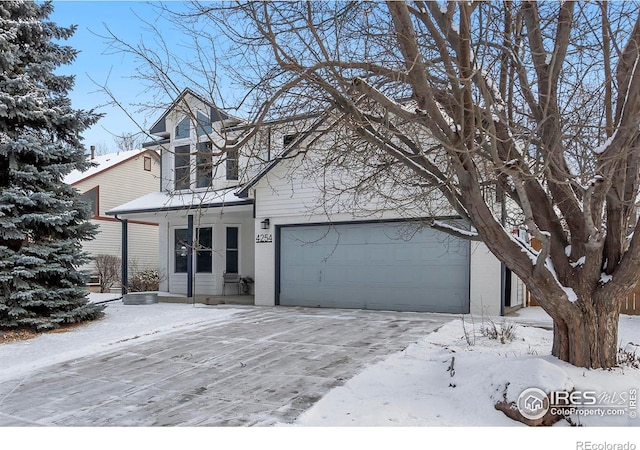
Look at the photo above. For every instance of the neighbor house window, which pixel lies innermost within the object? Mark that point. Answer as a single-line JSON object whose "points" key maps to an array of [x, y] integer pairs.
{"points": [[204, 260], [232, 250], [91, 198], [232, 164], [182, 167], [147, 164], [204, 168], [181, 239]]}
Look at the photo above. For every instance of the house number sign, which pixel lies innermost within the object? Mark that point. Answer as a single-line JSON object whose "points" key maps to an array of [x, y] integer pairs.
{"points": [[264, 237]]}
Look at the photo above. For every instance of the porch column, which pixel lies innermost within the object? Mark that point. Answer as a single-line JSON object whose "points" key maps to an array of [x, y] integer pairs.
{"points": [[190, 256], [125, 256]]}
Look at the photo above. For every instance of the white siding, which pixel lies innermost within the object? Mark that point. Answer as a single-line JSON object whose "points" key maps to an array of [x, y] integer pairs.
{"points": [[206, 283], [189, 107], [163, 249], [265, 269], [287, 199], [302, 186], [485, 281]]}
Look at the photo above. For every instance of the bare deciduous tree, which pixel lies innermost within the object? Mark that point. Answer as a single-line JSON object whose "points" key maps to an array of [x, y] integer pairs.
{"points": [[127, 141], [535, 103], [107, 270]]}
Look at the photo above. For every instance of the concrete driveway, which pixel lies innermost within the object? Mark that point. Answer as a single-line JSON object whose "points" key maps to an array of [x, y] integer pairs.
{"points": [[265, 366]]}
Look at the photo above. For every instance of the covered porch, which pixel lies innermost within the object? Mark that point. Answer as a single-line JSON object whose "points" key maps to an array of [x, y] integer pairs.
{"points": [[202, 236]]}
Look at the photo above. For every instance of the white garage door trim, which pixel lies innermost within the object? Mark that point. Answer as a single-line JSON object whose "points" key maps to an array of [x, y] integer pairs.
{"points": [[388, 265]]}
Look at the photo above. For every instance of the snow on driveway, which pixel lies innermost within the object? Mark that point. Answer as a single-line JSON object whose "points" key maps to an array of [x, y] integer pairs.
{"points": [[178, 365], [450, 377]]}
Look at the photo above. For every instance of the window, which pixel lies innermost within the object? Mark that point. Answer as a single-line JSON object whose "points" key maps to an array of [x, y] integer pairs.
{"points": [[91, 198], [204, 260], [203, 251], [232, 164], [232, 250], [181, 237], [203, 125], [147, 164], [204, 172], [182, 167], [289, 138], [182, 129]]}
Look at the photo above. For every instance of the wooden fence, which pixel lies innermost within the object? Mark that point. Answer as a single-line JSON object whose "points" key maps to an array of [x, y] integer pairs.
{"points": [[630, 306]]}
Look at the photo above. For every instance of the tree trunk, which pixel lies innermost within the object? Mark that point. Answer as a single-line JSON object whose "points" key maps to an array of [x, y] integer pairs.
{"points": [[588, 337]]}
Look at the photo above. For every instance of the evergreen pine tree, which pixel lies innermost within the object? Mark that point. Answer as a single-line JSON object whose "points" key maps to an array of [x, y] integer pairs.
{"points": [[42, 220]]}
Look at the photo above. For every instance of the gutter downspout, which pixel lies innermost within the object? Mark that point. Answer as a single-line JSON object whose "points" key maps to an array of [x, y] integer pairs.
{"points": [[125, 254]]}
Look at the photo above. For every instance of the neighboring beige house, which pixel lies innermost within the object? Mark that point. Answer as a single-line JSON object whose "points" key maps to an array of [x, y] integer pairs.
{"points": [[252, 214], [118, 178]]}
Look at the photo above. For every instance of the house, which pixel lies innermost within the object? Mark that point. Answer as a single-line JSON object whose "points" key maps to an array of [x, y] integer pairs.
{"points": [[114, 179], [261, 213]]}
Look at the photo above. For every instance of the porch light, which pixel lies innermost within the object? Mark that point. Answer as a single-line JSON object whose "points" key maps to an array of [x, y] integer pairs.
{"points": [[264, 224]]}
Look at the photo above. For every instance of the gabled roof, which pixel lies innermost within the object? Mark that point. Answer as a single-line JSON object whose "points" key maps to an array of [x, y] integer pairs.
{"points": [[106, 162], [295, 145], [159, 128]]}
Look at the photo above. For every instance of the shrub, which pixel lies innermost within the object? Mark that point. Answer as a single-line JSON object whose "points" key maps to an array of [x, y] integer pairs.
{"points": [[107, 270], [144, 280], [505, 332]]}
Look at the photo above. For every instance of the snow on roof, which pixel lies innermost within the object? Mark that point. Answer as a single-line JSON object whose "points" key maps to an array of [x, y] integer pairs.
{"points": [[103, 162], [166, 201]]}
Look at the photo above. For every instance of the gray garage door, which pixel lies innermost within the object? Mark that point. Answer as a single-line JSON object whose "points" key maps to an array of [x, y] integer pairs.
{"points": [[384, 266]]}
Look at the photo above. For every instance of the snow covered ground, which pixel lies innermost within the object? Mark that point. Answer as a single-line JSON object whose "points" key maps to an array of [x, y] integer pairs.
{"points": [[421, 387], [121, 325], [451, 377]]}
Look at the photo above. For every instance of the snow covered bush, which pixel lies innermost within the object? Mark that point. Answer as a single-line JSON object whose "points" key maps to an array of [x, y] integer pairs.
{"points": [[145, 280]]}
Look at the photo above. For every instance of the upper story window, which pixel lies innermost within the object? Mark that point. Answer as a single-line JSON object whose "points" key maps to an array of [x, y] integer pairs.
{"points": [[203, 125], [182, 167], [204, 165], [194, 161], [183, 129], [232, 164], [289, 138]]}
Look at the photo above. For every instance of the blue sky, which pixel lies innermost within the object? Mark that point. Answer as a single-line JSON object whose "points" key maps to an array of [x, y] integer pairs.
{"points": [[97, 62]]}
